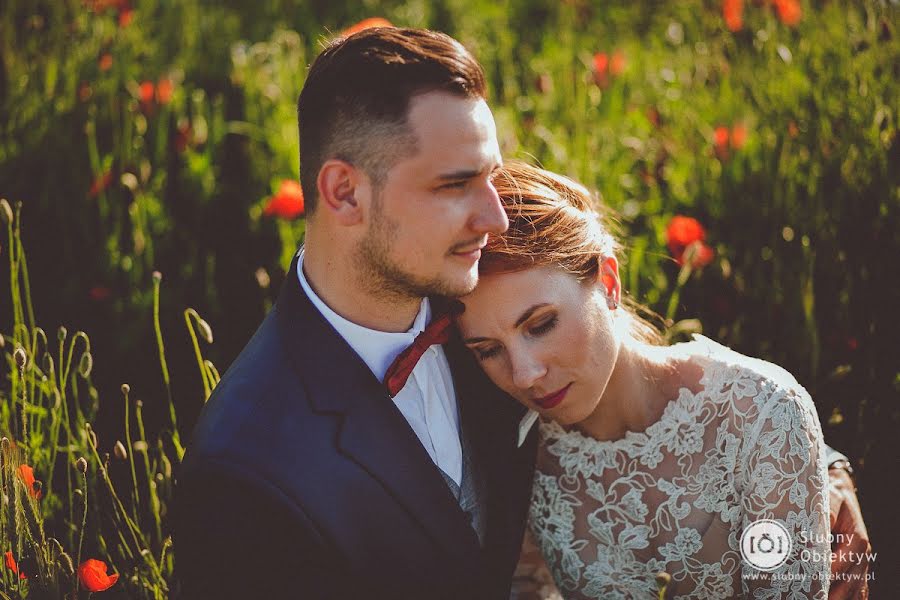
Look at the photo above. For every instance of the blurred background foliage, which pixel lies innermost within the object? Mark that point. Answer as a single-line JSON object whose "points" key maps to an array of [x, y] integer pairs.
{"points": [[146, 135]]}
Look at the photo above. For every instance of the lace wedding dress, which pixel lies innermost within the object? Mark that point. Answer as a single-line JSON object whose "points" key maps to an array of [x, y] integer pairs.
{"points": [[610, 515]]}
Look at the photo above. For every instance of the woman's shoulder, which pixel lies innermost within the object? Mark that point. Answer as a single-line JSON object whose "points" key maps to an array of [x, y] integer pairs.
{"points": [[722, 364]]}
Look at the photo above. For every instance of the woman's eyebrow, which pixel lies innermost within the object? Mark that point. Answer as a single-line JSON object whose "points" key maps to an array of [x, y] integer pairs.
{"points": [[524, 317], [527, 314]]}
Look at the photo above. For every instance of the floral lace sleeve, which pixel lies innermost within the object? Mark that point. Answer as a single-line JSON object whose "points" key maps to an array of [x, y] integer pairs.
{"points": [[785, 480]]}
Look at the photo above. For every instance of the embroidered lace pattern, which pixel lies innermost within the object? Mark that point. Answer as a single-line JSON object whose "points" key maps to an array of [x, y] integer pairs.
{"points": [[610, 515]]}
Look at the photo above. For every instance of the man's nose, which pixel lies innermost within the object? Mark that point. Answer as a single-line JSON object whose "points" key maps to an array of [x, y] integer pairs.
{"points": [[527, 370], [490, 216]]}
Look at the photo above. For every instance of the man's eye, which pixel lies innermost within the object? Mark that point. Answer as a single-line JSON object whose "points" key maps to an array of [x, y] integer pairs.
{"points": [[544, 327], [456, 185]]}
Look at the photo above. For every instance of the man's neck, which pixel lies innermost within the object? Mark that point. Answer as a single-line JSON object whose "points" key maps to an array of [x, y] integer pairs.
{"points": [[332, 279]]}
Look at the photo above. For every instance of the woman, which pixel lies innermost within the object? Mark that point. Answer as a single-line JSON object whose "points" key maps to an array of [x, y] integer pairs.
{"points": [[653, 459]]}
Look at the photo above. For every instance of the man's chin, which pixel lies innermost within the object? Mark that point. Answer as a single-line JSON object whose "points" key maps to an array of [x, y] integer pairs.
{"points": [[461, 284]]}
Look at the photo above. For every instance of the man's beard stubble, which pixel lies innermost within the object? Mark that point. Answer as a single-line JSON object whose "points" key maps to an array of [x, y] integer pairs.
{"points": [[383, 277]]}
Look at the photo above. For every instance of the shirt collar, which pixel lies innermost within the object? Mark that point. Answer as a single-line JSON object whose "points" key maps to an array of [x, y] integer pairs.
{"points": [[377, 349]]}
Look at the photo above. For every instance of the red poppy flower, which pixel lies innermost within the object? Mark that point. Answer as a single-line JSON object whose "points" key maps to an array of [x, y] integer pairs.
{"points": [[601, 63], [682, 232], [164, 89], [288, 202], [366, 24], [92, 574], [617, 63], [789, 11], [84, 91], [146, 92], [720, 138], [601, 69], [125, 17], [793, 129], [183, 137], [100, 183], [702, 256], [12, 566], [26, 474], [738, 136], [98, 293], [105, 62], [733, 11]]}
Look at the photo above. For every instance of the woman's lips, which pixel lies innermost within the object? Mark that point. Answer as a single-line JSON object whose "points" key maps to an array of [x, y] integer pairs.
{"points": [[552, 400]]}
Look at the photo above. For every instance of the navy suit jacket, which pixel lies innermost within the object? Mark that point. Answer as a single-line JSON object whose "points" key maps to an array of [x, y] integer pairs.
{"points": [[303, 480]]}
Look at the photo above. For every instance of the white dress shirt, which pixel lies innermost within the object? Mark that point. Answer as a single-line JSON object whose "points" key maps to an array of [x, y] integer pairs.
{"points": [[427, 401]]}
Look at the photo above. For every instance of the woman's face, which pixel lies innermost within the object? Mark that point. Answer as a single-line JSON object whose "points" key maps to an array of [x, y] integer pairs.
{"points": [[544, 337]]}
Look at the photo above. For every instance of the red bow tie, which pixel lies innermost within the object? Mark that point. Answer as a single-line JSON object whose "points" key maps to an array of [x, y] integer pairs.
{"points": [[437, 332]]}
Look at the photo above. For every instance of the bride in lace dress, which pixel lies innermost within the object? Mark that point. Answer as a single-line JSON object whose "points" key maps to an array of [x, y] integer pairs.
{"points": [[653, 459]]}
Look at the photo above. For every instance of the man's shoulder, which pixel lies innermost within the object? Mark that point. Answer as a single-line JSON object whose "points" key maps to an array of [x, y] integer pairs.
{"points": [[258, 395]]}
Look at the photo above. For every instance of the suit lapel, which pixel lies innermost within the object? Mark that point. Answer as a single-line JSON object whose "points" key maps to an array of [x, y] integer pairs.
{"points": [[374, 433]]}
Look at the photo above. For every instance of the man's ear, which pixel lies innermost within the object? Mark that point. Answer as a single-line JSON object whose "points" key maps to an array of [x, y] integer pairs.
{"points": [[341, 186], [608, 276]]}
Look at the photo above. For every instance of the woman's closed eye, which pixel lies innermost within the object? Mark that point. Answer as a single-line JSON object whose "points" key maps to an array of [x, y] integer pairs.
{"points": [[486, 353], [540, 329], [544, 327]]}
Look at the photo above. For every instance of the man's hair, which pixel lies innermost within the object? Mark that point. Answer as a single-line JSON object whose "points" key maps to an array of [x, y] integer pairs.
{"points": [[355, 102]]}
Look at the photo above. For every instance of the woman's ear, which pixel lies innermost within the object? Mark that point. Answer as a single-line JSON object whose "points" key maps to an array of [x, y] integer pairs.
{"points": [[608, 277], [340, 187]]}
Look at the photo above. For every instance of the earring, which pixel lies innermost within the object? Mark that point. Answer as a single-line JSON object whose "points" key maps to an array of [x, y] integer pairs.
{"points": [[611, 303]]}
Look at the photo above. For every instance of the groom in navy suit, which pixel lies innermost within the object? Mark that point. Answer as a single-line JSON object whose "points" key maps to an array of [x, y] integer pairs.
{"points": [[322, 467]]}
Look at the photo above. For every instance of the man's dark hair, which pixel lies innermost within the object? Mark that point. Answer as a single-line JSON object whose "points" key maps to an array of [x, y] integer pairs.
{"points": [[355, 102]]}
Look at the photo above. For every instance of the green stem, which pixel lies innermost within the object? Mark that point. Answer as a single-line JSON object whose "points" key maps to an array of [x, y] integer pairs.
{"points": [[176, 439], [130, 453]]}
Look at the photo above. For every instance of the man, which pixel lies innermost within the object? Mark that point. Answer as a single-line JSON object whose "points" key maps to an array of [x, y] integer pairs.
{"points": [[307, 476]]}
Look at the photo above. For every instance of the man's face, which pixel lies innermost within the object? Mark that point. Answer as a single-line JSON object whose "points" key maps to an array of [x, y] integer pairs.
{"points": [[435, 209]]}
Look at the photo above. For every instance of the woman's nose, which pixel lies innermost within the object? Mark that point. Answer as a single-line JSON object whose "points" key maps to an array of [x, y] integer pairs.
{"points": [[527, 370]]}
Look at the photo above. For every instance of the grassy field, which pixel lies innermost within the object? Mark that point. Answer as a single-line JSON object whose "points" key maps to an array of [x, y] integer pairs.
{"points": [[148, 158]]}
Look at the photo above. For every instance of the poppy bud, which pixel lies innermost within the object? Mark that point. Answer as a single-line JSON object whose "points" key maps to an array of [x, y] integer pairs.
{"points": [[205, 331], [21, 358], [139, 446], [85, 364], [157, 276], [663, 579], [119, 450], [61, 333], [6, 210], [126, 388], [81, 465]]}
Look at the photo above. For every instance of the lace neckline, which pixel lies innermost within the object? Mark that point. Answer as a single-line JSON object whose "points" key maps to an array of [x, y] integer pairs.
{"points": [[551, 430]]}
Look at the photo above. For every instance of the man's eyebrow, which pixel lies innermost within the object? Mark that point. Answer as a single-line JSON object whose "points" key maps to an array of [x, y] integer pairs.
{"points": [[466, 173], [524, 317], [457, 175]]}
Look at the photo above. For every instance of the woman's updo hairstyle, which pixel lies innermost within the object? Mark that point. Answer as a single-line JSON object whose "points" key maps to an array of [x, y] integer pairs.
{"points": [[554, 221]]}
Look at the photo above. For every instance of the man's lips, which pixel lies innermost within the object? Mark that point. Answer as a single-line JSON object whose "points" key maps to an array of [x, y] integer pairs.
{"points": [[472, 253], [552, 400]]}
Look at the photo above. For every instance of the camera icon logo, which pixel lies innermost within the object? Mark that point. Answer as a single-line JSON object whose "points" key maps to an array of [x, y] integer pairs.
{"points": [[766, 544]]}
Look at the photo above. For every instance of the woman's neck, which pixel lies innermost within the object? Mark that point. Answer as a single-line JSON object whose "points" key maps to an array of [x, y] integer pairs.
{"points": [[641, 385]]}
